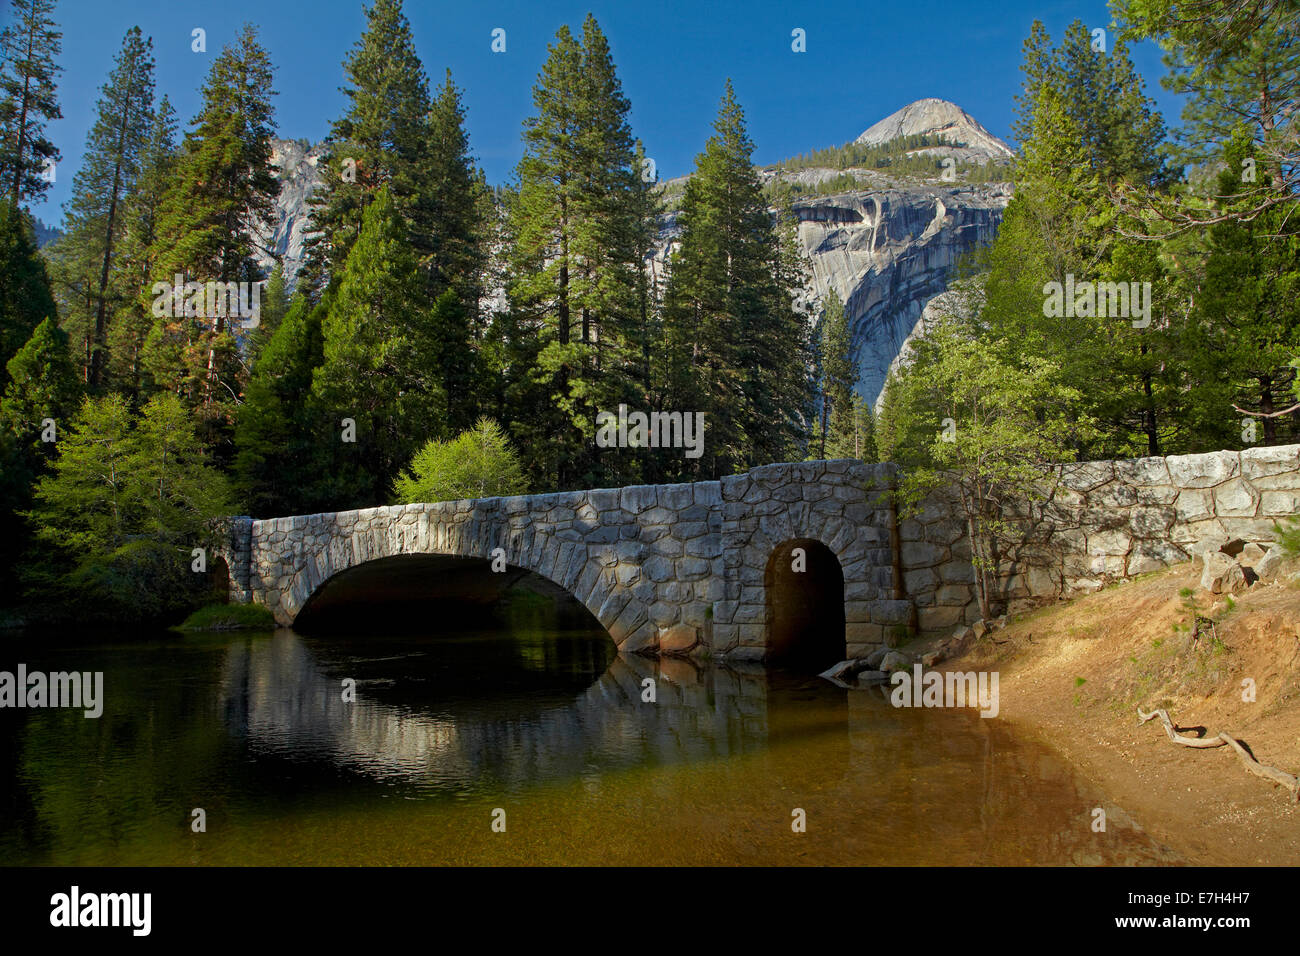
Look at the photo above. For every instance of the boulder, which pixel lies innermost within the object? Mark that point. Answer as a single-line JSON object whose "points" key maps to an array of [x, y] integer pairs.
{"points": [[678, 639], [871, 678], [894, 661], [1251, 554], [842, 669], [1222, 574], [1268, 565], [875, 658]]}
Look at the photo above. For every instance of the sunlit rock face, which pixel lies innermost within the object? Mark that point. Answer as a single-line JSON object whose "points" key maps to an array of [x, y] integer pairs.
{"points": [[886, 248], [284, 236], [887, 253], [942, 120]]}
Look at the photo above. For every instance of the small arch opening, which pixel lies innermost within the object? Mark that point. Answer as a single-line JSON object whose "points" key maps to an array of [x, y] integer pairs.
{"points": [[805, 603], [218, 581]]}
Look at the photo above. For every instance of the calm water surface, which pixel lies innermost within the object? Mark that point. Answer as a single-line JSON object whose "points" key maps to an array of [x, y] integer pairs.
{"points": [[546, 724]]}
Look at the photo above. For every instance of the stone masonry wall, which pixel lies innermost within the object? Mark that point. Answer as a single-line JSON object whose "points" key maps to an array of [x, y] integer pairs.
{"points": [[674, 569], [1104, 521]]}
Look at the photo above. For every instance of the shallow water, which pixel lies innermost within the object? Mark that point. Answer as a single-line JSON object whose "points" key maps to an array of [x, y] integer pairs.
{"points": [[547, 725]]}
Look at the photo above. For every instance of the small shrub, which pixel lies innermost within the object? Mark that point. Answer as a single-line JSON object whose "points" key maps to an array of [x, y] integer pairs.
{"points": [[229, 617]]}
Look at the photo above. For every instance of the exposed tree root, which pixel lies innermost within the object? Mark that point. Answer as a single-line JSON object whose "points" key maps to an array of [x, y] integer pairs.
{"points": [[1290, 781]]}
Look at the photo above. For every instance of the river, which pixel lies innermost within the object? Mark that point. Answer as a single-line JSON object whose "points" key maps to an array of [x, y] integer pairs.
{"points": [[531, 743]]}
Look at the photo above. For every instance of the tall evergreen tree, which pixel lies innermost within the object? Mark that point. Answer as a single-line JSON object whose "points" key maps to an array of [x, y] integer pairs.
{"points": [[739, 350], [29, 46], [279, 465], [134, 265], [379, 140], [42, 386], [576, 223], [25, 296], [379, 366], [206, 231], [95, 222]]}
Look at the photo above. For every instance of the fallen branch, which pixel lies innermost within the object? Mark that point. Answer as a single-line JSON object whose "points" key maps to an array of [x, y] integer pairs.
{"points": [[1280, 777]]}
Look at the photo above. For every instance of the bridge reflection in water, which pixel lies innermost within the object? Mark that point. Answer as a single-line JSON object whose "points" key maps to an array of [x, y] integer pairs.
{"points": [[502, 725], [571, 736]]}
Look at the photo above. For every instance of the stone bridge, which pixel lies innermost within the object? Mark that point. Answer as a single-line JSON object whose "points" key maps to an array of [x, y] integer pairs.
{"points": [[759, 565], [693, 568]]}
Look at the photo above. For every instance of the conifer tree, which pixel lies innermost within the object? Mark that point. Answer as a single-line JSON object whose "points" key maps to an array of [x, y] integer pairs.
{"points": [[574, 222], [25, 296], [223, 187], [279, 463], [29, 45], [95, 222], [379, 367], [133, 267], [738, 348], [379, 140]]}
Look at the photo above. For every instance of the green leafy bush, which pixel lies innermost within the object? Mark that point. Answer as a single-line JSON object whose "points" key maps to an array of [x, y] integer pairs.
{"points": [[478, 463]]}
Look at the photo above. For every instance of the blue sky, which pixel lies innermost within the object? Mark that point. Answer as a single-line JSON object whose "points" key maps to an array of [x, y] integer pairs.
{"points": [[864, 60]]}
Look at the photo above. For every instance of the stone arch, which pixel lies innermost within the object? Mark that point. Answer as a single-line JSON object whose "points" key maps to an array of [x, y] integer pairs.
{"points": [[838, 504], [301, 554], [804, 587], [219, 578], [401, 591]]}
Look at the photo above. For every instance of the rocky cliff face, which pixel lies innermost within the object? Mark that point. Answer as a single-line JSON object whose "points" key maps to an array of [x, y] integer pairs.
{"points": [[284, 236], [886, 248], [887, 253]]}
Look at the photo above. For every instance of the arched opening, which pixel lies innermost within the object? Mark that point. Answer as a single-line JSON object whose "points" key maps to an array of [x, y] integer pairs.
{"points": [[417, 629], [805, 603], [432, 592], [218, 581]]}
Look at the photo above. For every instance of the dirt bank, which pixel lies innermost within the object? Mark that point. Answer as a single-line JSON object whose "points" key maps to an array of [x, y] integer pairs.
{"points": [[1074, 674]]}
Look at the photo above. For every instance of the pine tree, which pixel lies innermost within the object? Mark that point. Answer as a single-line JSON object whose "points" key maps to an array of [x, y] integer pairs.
{"points": [[738, 349], [574, 222], [120, 511], [222, 188], [445, 208], [279, 465], [95, 222], [29, 46], [134, 266], [379, 366], [25, 297], [1249, 328], [379, 140], [42, 385]]}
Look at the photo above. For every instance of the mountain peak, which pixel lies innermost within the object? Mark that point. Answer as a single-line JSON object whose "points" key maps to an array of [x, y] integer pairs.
{"points": [[936, 117]]}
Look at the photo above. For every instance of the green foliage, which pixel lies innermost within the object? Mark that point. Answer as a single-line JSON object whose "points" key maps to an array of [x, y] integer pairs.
{"points": [[133, 264], [575, 339], [95, 222], [120, 511], [221, 186], [30, 45], [737, 349], [379, 361], [25, 297], [229, 617], [963, 415], [478, 463], [1288, 535], [278, 467]]}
